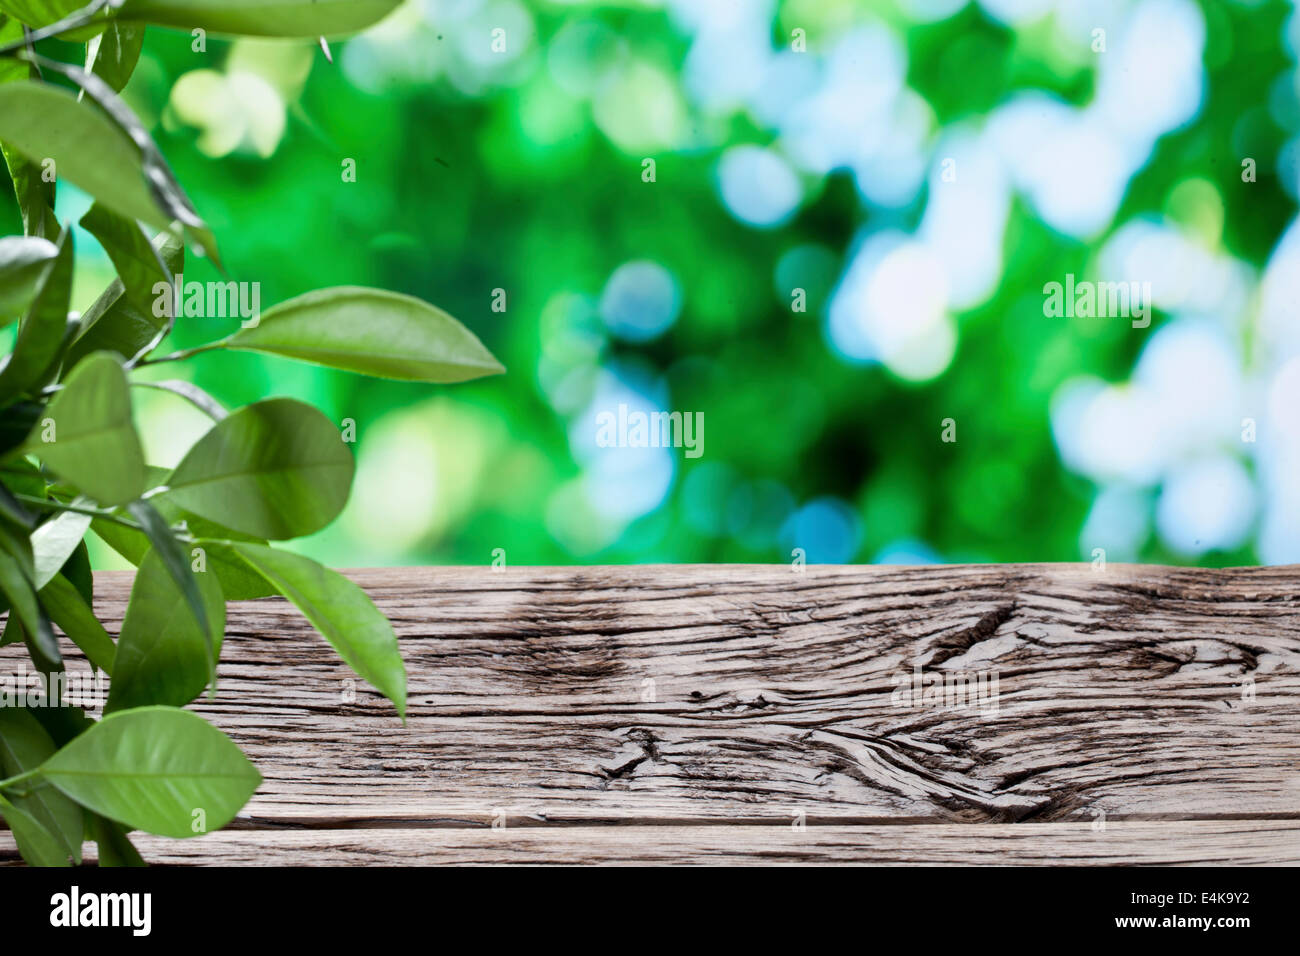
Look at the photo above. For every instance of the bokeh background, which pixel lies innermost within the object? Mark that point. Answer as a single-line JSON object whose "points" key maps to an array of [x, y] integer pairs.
{"points": [[797, 145]]}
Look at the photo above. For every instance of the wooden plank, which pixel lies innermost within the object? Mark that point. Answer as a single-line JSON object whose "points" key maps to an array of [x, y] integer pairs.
{"points": [[732, 697], [1179, 843]]}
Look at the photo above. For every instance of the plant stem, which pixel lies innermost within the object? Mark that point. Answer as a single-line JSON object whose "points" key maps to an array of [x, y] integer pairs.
{"points": [[5, 784], [182, 354]]}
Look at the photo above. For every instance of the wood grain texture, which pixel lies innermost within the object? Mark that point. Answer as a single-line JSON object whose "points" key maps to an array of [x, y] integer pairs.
{"points": [[689, 713], [1177, 843]]}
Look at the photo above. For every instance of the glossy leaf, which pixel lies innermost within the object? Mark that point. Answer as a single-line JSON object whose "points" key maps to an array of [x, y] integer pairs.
{"points": [[23, 263], [128, 542], [341, 611], [47, 122], [162, 655], [37, 844], [238, 582], [274, 469], [62, 723], [25, 745], [11, 31], [54, 541], [154, 769], [115, 847], [113, 54], [163, 188], [68, 608], [35, 195], [39, 652], [78, 572], [42, 332], [372, 332], [40, 13], [95, 447], [271, 18], [16, 424], [22, 478], [16, 581], [177, 563], [13, 632], [123, 319], [69, 20]]}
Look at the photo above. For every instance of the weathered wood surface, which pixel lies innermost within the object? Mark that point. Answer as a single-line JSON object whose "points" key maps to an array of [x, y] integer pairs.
{"points": [[692, 713], [1199, 842]]}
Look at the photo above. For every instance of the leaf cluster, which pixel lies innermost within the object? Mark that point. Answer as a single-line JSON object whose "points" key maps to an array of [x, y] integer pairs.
{"points": [[72, 462]]}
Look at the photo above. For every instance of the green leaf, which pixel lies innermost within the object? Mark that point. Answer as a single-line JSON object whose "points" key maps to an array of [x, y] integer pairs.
{"points": [[270, 18], [35, 196], [78, 572], [62, 723], [16, 523], [23, 478], [165, 192], [43, 122], [154, 768], [40, 13], [16, 423], [129, 543], [162, 656], [238, 583], [178, 566], [15, 519], [274, 469], [16, 581], [54, 541], [23, 606], [38, 845], [69, 20], [372, 332], [39, 652], [123, 319], [42, 332], [114, 53], [13, 631], [341, 611], [95, 447], [23, 263], [69, 609], [25, 745], [138, 261], [11, 68], [115, 848]]}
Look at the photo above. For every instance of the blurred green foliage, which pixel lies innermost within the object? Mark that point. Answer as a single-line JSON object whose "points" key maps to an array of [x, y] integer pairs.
{"points": [[524, 172]]}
